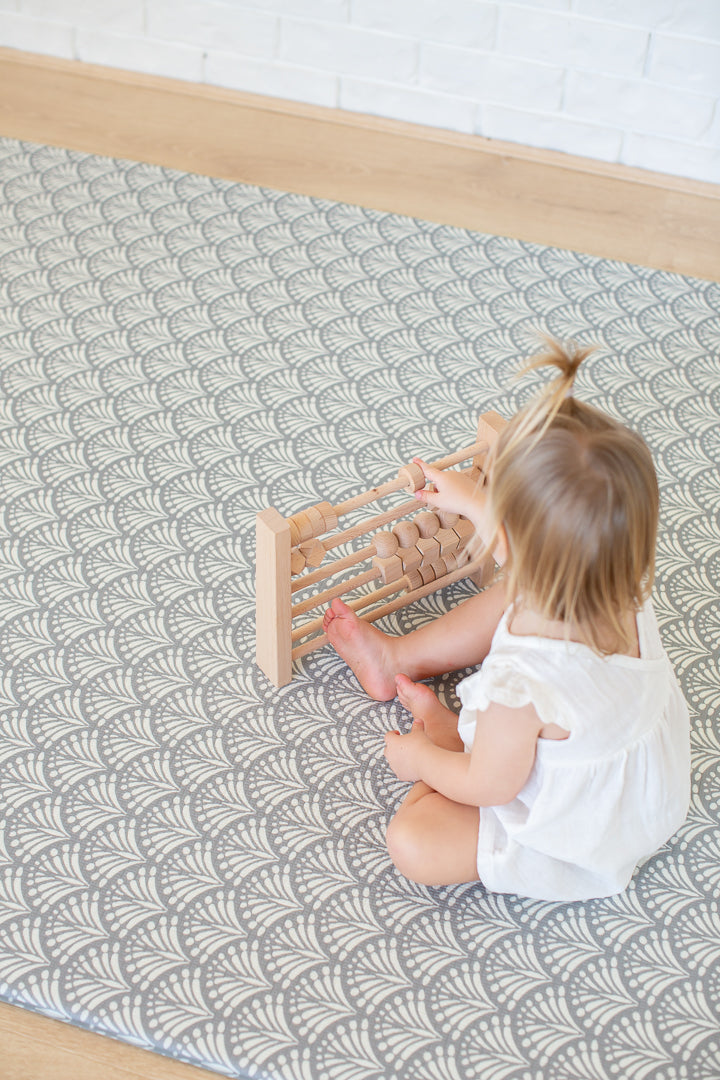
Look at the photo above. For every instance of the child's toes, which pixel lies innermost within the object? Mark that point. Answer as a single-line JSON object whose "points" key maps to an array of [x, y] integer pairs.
{"points": [[411, 694], [404, 687]]}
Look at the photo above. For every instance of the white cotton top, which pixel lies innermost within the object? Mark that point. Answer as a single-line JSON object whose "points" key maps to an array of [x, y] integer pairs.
{"points": [[602, 801]]}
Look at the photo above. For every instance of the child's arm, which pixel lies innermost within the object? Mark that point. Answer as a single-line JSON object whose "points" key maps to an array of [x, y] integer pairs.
{"points": [[494, 773], [457, 493], [454, 492]]}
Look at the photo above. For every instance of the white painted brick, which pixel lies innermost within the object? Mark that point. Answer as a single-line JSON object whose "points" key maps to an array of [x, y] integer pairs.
{"points": [[636, 105], [693, 65], [326, 10], [571, 41], [646, 13], [35, 35], [212, 25], [669, 156], [140, 54], [273, 79], [109, 15], [712, 135], [349, 51], [694, 19], [414, 106], [458, 22], [698, 18], [550, 132], [547, 5], [490, 77]]}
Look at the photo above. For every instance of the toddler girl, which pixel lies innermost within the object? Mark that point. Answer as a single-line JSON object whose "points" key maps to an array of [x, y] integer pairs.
{"points": [[569, 763]]}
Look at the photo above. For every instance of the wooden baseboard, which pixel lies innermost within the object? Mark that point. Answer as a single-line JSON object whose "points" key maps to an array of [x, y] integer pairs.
{"points": [[501, 188], [36, 1048]]}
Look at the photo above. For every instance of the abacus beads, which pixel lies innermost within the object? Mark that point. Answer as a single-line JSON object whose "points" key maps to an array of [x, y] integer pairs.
{"points": [[407, 533], [427, 523], [412, 476], [312, 522], [385, 544]]}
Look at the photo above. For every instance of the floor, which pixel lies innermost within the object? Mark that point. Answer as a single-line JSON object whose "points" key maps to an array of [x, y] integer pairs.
{"points": [[546, 198]]}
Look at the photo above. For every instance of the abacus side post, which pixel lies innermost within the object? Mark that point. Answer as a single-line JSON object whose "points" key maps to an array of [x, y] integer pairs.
{"points": [[273, 615], [490, 424]]}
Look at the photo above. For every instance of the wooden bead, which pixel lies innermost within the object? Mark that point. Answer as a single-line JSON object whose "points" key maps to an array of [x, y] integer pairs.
{"points": [[313, 551], [390, 569], [464, 529], [386, 544], [447, 520], [414, 580], [317, 518], [427, 574], [301, 528], [327, 510], [412, 476], [305, 525], [439, 568], [410, 557], [448, 540], [297, 562], [429, 548], [450, 561], [427, 523], [407, 533]]}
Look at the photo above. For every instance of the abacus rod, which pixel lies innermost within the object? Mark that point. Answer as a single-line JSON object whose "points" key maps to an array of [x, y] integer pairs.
{"points": [[309, 646], [303, 581], [424, 590], [372, 523], [373, 494], [336, 590], [394, 605], [365, 600], [460, 455]]}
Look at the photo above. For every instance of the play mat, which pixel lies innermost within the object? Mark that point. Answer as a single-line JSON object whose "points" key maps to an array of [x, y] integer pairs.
{"points": [[191, 860]]}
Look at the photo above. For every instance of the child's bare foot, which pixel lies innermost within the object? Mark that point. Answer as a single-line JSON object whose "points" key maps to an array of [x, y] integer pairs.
{"points": [[366, 650], [440, 722]]}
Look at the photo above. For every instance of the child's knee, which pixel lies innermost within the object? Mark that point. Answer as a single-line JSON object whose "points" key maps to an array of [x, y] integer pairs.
{"points": [[405, 846]]}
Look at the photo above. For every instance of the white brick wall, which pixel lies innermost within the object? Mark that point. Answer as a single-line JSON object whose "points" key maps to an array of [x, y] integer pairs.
{"points": [[632, 81]]}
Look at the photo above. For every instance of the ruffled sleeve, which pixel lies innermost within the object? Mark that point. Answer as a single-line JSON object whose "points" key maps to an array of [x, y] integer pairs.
{"points": [[509, 684]]}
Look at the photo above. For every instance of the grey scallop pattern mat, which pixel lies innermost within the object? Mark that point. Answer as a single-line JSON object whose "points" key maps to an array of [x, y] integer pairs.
{"points": [[191, 860]]}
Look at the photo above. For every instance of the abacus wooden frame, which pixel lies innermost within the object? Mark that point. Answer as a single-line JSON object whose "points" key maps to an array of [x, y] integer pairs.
{"points": [[282, 544]]}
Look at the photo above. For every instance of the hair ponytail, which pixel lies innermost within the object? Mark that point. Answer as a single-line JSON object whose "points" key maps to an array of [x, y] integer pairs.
{"points": [[537, 417]]}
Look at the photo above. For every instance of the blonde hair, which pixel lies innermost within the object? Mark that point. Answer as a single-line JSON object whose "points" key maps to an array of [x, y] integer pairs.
{"points": [[577, 496]]}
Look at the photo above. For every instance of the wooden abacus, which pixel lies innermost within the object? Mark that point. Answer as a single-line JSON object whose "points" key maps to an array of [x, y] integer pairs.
{"points": [[413, 559]]}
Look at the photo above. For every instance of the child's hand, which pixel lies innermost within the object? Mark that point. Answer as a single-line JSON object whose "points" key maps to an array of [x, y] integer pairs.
{"points": [[454, 491], [403, 752]]}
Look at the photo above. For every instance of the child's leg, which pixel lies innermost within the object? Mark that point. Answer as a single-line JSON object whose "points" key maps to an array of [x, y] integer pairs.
{"points": [[441, 723], [431, 839], [460, 638]]}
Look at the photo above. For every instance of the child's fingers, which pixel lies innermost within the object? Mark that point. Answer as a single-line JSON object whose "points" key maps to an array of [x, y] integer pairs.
{"points": [[431, 473]]}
